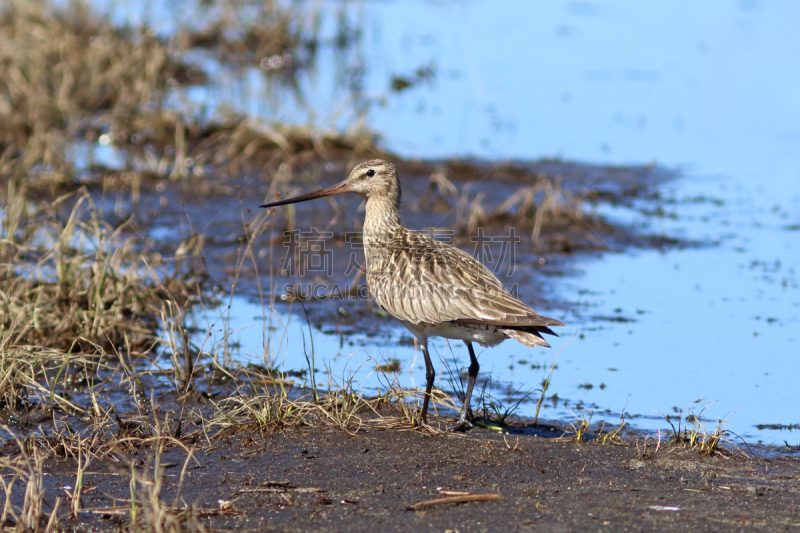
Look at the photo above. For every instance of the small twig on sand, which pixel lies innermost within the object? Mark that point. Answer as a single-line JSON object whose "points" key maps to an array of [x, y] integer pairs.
{"points": [[455, 499]]}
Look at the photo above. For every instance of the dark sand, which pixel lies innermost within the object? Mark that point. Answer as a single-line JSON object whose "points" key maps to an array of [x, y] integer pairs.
{"points": [[315, 479]]}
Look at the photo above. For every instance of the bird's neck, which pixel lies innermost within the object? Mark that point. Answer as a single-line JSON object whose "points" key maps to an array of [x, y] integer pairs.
{"points": [[382, 218]]}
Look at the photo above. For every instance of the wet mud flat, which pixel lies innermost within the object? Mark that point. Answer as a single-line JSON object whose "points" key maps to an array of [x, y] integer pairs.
{"points": [[324, 479]]}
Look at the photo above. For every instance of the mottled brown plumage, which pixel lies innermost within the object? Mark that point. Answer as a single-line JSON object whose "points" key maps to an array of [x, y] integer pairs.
{"points": [[432, 287]]}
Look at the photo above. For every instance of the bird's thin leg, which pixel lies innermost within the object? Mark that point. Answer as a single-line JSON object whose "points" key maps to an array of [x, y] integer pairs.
{"points": [[463, 423], [430, 374]]}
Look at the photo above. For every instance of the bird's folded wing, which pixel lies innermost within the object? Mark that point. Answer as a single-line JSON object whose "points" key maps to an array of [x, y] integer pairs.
{"points": [[443, 284]]}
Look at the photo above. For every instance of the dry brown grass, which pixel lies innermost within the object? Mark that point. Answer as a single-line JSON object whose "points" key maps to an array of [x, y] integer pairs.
{"points": [[267, 33], [544, 204], [68, 74], [79, 280], [75, 291], [32, 505], [238, 143], [26, 468], [66, 71], [267, 410], [25, 497]]}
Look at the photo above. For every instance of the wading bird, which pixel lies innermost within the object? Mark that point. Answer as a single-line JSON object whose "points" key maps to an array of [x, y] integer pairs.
{"points": [[433, 288]]}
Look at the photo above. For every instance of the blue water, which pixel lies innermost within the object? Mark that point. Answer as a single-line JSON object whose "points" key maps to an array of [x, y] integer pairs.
{"points": [[709, 90]]}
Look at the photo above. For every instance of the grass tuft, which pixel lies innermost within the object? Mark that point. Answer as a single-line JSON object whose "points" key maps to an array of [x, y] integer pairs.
{"points": [[79, 281], [691, 430]]}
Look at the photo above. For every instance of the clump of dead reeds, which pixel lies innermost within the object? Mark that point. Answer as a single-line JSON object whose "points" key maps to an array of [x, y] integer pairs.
{"points": [[78, 280], [149, 512], [268, 410], [25, 497], [544, 204], [68, 74], [239, 143], [66, 71], [273, 35], [73, 290], [25, 471]]}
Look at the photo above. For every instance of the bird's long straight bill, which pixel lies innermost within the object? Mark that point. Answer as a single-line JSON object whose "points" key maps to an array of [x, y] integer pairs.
{"points": [[336, 189]]}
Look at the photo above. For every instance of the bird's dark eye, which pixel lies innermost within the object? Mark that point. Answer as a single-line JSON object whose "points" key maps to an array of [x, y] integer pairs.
{"points": [[371, 172]]}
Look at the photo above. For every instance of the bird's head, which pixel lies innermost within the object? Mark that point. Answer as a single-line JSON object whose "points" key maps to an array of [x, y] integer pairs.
{"points": [[371, 179]]}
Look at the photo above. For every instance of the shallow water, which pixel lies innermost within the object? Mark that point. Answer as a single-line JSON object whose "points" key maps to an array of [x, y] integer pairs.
{"points": [[711, 92]]}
